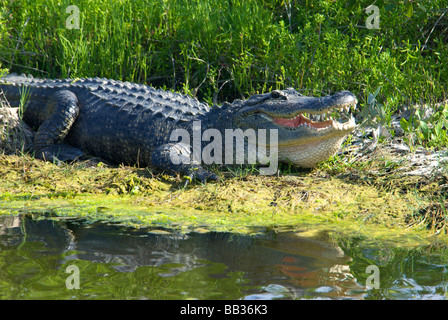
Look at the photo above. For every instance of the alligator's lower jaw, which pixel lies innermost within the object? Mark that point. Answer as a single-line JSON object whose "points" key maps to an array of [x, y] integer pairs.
{"points": [[308, 155], [307, 142], [311, 142]]}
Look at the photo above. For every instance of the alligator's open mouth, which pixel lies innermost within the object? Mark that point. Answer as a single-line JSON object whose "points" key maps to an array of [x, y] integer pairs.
{"points": [[320, 121]]}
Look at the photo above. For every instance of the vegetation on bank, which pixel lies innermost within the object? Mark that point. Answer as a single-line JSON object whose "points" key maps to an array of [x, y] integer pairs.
{"points": [[363, 205], [221, 50]]}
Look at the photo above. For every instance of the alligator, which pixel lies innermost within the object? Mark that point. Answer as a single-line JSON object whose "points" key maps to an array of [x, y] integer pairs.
{"points": [[134, 124]]}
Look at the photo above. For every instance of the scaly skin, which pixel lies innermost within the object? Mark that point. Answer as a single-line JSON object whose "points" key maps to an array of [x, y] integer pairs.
{"points": [[132, 123]]}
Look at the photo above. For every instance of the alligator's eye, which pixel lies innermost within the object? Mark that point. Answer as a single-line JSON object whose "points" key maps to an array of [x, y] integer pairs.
{"points": [[277, 94]]}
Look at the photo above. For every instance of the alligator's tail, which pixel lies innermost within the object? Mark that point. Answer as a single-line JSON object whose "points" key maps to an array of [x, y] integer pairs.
{"points": [[28, 93], [14, 87], [17, 78]]}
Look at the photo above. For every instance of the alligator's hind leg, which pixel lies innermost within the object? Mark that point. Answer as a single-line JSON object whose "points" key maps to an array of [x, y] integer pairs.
{"points": [[60, 113]]}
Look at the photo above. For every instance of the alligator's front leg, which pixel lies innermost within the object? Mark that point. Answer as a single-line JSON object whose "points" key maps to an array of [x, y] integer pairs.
{"points": [[60, 114], [176, 158]]}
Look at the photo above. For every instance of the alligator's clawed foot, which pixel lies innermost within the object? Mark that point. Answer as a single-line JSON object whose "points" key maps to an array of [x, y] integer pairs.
{"points": [[201, 175], [59, 153]]}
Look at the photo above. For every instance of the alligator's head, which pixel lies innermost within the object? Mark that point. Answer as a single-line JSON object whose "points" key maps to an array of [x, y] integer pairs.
{"points": [[307, 134]]}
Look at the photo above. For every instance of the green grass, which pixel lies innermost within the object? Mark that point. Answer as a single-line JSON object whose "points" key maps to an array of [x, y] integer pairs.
{"points": [[178, 43]]}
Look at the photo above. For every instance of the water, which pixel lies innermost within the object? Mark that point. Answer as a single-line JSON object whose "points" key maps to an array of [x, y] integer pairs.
{"points": [[48, 259]]}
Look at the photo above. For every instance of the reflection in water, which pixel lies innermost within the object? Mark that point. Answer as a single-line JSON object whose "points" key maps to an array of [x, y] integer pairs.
{"points": [[117, 262]]}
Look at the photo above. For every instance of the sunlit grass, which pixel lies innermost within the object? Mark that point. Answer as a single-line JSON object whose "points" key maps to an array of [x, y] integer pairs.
{"points": [[220, 50]]}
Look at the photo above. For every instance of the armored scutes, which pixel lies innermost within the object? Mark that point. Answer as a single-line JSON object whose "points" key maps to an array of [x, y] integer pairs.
{"points": [[134, 124]]}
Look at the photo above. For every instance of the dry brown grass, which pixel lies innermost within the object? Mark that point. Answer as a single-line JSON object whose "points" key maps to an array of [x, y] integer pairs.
{"points": [[15, 136]]}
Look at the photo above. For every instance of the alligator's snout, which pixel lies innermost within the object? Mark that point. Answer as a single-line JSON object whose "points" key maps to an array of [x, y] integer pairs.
{"points": [[289, 110], [343, 103], [310, 129]]}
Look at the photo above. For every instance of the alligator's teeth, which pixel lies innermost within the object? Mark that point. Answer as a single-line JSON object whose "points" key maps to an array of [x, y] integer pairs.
{"points": [[352, 120], [348, 125]]}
